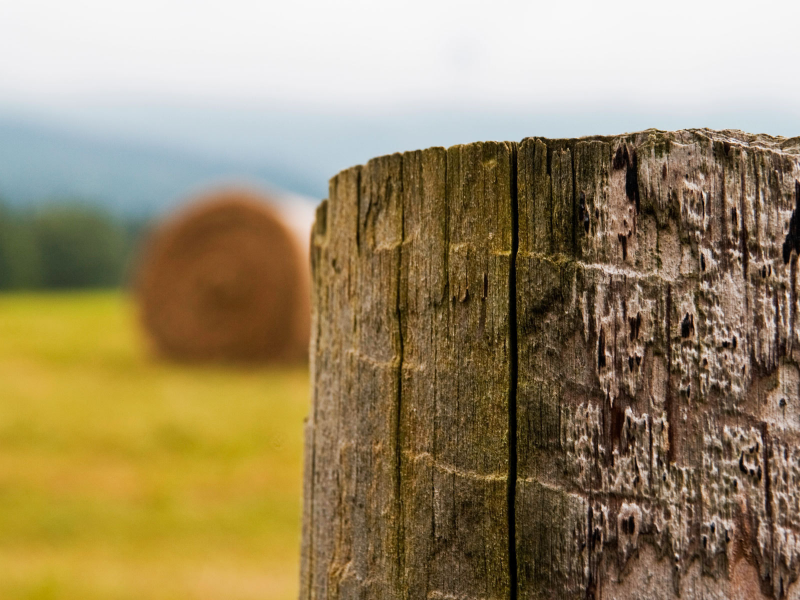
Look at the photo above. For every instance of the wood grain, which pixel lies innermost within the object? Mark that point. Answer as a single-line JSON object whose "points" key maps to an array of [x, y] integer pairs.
{"points": [[558, 369]]}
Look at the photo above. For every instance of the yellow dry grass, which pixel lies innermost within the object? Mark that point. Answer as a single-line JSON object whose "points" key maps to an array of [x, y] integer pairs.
{"points": [[122, 477]]}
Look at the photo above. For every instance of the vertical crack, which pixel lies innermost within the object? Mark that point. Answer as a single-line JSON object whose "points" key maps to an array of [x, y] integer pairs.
{"points": [[399, 401], [512, 387]]}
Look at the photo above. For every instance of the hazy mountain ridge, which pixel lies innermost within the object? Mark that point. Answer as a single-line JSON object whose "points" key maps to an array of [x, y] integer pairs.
{"points": [[138, 160], [40, 164]]}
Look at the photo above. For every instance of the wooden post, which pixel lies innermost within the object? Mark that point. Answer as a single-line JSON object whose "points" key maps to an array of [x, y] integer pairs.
{"points": [[558, 369]]}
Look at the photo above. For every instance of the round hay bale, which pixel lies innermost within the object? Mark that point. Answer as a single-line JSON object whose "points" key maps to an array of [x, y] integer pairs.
{"points": [[224, 280]]}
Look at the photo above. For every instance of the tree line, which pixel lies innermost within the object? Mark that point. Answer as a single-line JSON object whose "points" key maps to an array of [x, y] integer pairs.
{"points": [[65, 245]]}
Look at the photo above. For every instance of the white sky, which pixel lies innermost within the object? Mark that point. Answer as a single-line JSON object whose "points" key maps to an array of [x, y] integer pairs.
{"points": [[372, 55]]}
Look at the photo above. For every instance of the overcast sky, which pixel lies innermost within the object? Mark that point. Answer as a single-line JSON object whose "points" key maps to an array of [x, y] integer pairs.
{"points": [[374, 56]]}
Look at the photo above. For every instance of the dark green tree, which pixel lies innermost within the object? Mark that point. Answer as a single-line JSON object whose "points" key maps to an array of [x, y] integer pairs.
{"points": [[20, 259], [79, 246]]}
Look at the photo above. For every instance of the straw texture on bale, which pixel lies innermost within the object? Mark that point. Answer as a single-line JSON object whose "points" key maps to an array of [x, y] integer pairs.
{"points": [[224, 280]]}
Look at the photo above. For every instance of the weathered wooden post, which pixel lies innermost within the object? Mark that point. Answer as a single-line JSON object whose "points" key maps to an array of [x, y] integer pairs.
{"points": [[558, 369]]}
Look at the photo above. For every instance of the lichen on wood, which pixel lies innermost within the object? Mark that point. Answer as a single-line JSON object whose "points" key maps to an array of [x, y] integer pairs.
{"points": [[558, 369]]}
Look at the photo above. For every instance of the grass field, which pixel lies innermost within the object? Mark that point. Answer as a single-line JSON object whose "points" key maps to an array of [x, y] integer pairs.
{"points": [[122, 477]]}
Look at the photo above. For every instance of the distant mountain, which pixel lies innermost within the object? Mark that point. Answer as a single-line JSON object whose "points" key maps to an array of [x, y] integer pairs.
{"points": [[141, 160], [41, 164]]}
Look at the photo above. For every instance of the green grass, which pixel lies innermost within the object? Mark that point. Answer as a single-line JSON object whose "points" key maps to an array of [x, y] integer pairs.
{"points": [[124, 477]]}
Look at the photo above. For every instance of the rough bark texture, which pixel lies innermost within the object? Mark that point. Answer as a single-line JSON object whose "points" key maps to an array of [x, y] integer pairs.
{"points": [[558, 369]]}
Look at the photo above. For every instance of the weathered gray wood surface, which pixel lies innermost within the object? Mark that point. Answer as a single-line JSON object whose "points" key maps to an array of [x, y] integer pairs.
{"points": [[558, 369]]}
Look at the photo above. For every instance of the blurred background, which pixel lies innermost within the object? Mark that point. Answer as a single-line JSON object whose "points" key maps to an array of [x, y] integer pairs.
{"points": [[129, 473]]}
